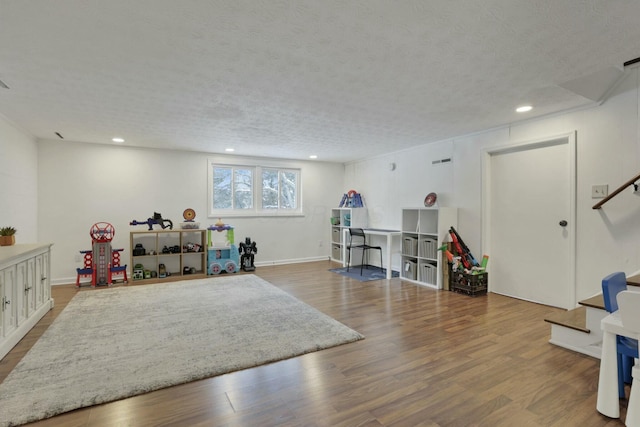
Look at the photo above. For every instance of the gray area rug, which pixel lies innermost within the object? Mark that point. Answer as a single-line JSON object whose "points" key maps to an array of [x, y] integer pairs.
{"points": [[114, 343]]}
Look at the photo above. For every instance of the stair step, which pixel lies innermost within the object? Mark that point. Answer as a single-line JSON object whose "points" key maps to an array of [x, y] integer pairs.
{"points": [[579, 329], [633, 280], [577, 318], [574, 319], [594, 302]]}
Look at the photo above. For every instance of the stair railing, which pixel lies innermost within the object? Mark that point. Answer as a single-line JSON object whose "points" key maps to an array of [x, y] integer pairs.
{"points": [[617, 191]]}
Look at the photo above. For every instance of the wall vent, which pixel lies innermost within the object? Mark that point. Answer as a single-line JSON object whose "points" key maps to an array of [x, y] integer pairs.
{"points": [[437, 162]]}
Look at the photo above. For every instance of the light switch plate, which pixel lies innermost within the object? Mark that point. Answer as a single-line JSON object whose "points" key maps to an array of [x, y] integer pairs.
{"points": [[599, 191]]}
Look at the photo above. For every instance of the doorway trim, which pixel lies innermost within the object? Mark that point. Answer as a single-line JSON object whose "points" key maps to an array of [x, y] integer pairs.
{"points": [[487, 152]]}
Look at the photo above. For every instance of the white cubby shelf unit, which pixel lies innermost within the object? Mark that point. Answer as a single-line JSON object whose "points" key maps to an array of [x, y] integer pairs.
{"points": [[424, 230], [346, 217]]}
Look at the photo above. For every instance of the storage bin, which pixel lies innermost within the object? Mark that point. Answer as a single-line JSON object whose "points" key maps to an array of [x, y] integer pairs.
{"points": [[429, 248], [409, 270], [335, 235], [335, 252], [469, 284], [428, 273], [410, 246]]}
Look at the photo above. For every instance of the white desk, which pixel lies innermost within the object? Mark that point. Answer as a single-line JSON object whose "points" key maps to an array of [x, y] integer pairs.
{"points": [[390, 234], [608, 403]]}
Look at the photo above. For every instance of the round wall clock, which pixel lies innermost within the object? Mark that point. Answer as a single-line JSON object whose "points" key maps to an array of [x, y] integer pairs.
{"points": [[430, 200]]}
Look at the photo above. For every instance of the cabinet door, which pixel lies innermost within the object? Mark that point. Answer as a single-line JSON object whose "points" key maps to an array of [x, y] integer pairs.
{"points": [[24, 289], [41, 282], [2, 286], [45, 279], [8, 300]]}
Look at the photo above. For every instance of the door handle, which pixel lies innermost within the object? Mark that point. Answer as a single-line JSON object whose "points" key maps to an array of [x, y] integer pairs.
{"points": [[563, 223]]}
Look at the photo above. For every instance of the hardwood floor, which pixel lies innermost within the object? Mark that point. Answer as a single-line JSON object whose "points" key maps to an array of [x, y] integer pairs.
{"points": [[430, 358]]}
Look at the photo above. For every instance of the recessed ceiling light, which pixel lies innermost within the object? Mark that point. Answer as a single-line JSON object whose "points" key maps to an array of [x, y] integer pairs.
{"points": [[118, 140], [229, 150], [313, 156], [524, 108]]}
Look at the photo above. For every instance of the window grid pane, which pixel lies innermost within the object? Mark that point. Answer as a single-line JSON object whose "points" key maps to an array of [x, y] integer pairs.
{"points": [[222, 188], [288, 185], [243, 188], [269, 189]]}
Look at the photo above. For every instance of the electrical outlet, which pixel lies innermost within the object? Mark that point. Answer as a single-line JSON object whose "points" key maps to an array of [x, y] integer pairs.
{"points": [[320, 243], [78, 258], [599, 191]]}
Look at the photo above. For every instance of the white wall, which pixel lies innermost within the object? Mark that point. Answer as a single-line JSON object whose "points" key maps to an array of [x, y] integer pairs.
{"points": [[82, 184], [59, 189], [608, 152], [387, 191], [18, 182]]}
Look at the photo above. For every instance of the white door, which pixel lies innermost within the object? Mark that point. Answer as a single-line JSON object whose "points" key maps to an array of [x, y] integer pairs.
{"points": [[529, 221]]}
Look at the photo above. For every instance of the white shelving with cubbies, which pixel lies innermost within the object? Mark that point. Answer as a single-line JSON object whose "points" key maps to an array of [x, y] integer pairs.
{"points": [[424, 230], [342, 218]]}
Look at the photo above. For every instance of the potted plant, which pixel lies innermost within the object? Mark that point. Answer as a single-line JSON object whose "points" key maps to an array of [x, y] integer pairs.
{"points": [[7, 236]]}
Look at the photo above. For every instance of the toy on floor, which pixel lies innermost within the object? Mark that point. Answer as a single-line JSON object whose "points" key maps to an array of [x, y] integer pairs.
{"points": [[101, 262], [157, 219], [222, 254], [248, 249]]}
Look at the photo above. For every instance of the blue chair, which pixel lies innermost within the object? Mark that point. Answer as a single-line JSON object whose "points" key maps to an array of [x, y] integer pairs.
{"points": [[627, 348]]}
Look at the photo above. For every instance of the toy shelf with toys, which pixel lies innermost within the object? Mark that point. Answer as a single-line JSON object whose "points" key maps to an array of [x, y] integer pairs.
{"points": [[190, 251], [160, 254]]}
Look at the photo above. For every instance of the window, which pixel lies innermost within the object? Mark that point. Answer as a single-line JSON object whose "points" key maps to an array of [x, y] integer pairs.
{"points": [[279, 189], [253, 190], [232, 188]]}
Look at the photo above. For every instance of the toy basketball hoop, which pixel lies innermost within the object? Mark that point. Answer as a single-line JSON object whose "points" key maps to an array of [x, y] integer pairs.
{"points": [[102, 232]]}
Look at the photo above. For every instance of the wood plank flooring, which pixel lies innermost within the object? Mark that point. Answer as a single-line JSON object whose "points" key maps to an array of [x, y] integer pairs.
{"points": [[430, 358]]}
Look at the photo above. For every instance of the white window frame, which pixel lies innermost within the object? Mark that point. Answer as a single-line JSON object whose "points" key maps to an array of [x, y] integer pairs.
{"points": [[257, 210]]}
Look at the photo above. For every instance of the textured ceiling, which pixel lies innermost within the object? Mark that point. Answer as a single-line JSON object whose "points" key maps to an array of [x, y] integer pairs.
{"points": [[341, 79]]}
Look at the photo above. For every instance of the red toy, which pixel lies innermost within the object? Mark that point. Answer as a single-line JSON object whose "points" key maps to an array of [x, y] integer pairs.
{"points": [[102, 267]]}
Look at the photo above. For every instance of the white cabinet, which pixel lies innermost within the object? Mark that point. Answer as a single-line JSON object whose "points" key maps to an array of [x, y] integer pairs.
{"points": [[25, 290], [424, 230], [179, 251], [342, 218]]}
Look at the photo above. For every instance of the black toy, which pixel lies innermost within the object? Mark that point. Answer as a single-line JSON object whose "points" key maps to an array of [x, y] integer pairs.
{"points": [[157, 219], [247, 250]]}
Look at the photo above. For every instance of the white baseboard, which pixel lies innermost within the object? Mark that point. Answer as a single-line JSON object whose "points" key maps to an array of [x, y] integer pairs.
{"points": [[291, 261], [70, 280]]}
